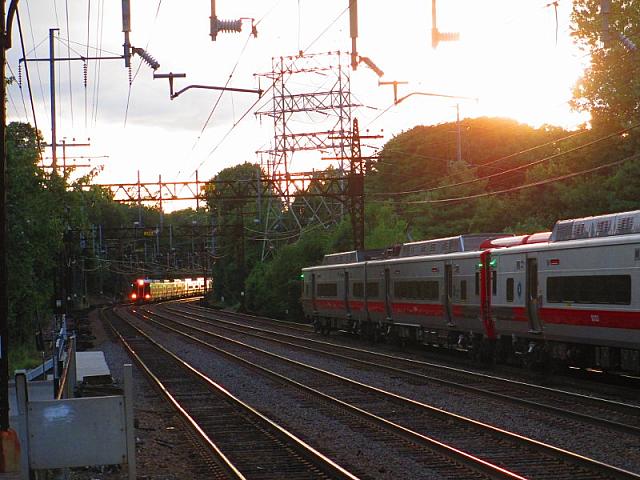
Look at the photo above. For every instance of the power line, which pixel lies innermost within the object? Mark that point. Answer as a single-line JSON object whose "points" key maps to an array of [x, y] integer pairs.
{"points": [[521, 187], [213, 150], [215, 106], [13, 104], [86, 64], [66, 8], [482, 165], [33, 40], [521, 167], [99, 37], [155, 19], [327, 28], [26, 69], [24, 104]]}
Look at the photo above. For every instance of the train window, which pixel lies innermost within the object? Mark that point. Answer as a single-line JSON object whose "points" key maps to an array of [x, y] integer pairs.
{"points": [[414, 289], [599, 289], [463, 290], [373, 290], [509, 289], [327, 290], [358, 289], [494, 283]]}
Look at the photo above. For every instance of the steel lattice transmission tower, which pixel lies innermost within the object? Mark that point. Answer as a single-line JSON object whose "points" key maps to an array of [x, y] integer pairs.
{"points": [[311, 109]]}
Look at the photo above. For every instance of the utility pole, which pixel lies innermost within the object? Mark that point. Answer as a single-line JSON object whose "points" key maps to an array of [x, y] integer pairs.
{"points": [[52, 88], [459, 136], [9, 443], [4, 303]]}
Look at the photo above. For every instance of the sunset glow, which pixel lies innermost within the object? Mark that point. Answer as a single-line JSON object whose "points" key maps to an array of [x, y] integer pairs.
{"points": [[507, 57]]}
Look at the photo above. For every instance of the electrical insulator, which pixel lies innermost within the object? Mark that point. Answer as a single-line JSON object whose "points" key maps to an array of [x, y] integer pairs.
{"points": [[227, 26], [85, 73], [147, 58], [438, 36], [448, 36], [20, 75]]}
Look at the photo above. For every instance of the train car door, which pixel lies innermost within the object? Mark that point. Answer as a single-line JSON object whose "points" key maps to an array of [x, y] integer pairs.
{"points": [[532, 295], [313, 292], [346, 294], [448, 293], [387, 292]]}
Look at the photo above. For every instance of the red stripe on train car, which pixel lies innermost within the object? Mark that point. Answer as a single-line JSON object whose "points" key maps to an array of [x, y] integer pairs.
{"points": [[376, 307], [520, 314], [356, 305], [417, 308], [330, 304], [591, 318]]}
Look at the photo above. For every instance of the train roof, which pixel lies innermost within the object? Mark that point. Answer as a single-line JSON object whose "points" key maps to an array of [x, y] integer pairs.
{"points": [[440, 246], [570, 244], [613, 224]]}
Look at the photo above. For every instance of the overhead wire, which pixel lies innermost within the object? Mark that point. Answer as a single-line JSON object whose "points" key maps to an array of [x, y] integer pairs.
{"points": [[33, 40], [226, 84], [217, 102], [520, 167], [86, 64], [55, 9], [26, 69], [66, 5], [135, 75], [235, 124], [24, 103], [522, 187], [13, 103], [98, 63], [506, 22], [501, 159]]}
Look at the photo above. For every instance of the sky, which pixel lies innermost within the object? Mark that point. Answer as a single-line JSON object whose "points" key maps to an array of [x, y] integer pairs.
{"points": [[512, 56]]}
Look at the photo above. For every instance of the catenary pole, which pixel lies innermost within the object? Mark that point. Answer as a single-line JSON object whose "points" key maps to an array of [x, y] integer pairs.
{"points": [[52, 82], [9, 444], [4, 301]]}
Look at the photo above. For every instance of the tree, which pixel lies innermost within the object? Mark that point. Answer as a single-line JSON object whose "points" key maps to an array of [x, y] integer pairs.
{"points": [[610, 88], [228, 198], [34, 233]]}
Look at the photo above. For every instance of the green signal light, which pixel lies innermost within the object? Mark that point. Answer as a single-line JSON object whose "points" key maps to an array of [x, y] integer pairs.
{"points": [[302, 276], [493, 262]]}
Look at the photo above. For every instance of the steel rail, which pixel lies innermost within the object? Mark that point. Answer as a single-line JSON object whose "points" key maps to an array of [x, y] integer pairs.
{"points": [[471, 461], [319, 460], [563, 455], [633, 409], [621, 427]]}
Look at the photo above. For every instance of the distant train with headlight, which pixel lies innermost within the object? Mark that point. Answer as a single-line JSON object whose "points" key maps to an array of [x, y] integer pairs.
{"points": [[571, 295], [145, 290]]}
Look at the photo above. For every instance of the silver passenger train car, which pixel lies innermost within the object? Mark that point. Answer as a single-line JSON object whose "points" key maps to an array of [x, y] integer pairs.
{"points": [[570, 295]]}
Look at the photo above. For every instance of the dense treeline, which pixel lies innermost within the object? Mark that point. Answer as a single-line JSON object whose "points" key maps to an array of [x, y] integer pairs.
{"points": [[65, 242]]}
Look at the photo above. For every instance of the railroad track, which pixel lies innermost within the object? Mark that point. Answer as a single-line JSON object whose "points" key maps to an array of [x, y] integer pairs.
{"points": [[406, 417], [613, 415], [246, 444]]}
